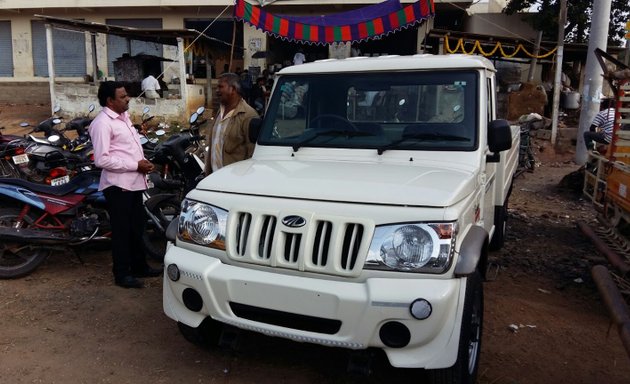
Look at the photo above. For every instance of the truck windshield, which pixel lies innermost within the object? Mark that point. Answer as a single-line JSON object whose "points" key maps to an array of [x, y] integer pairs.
{"points": [[434, 110]]}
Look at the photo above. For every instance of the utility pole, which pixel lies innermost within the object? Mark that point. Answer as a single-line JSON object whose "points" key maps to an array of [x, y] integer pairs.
{"points": [[534, 61], [593, 79], [562, 20]]}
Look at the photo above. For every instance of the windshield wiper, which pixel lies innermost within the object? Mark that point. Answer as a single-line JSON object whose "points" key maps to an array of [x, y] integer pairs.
{"points": [[424, 136], [315, 133]]}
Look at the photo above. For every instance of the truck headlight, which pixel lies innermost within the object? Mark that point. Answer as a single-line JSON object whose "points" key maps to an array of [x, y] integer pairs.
{"points": [[413, 247], [203, 224]]}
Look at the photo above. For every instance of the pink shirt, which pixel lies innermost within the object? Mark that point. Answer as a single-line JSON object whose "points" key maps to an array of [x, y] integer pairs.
{"points": [[117, 150]]}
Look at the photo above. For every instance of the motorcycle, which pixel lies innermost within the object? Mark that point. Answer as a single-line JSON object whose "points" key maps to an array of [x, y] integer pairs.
{"points": [[12, 153], [37, 219], [56, 158], [180, 170]]}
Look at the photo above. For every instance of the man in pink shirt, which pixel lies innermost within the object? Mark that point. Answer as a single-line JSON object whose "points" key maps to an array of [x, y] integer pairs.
{"points": [[118, 152]]}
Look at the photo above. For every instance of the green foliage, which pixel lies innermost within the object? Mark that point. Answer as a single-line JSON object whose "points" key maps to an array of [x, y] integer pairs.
{"points": [[578, 18]]}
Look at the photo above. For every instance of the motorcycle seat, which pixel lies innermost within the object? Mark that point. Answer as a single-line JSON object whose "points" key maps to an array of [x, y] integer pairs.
{"points": [[81, 180]]}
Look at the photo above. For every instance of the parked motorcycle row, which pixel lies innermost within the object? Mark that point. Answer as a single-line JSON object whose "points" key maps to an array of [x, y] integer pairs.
{"points": [[49, 198]]}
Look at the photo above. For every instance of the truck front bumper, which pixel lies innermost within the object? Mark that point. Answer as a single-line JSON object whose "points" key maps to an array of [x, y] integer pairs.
{"points": [[355, 315]]}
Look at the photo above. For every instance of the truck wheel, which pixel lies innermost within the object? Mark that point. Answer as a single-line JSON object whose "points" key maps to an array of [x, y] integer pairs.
{"points": [[465, 369], [17, 260], [207, 334], [500, 223]]}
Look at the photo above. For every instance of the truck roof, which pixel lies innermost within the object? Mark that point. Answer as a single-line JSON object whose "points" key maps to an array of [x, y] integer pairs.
{"points": [[391, 63]]}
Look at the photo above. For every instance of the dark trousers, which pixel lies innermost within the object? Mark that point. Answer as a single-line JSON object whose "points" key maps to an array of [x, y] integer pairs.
{"points": [[590, 136], [128, 220]]}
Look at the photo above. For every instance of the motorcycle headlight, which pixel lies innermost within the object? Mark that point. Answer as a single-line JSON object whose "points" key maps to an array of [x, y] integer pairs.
{"points": [[203, 224], [413, 247]]}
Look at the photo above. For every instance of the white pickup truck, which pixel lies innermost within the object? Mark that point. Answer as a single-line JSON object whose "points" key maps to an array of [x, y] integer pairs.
{"points": [[363, 219]]}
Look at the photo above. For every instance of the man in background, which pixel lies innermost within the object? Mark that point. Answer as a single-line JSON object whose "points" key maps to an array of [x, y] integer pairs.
{"points": [[229, 137], [150, 87], [601, 129], [299, 57]]}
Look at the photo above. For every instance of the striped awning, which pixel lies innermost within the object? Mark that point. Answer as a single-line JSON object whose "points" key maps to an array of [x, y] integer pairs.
{"points": [[362, 24]]}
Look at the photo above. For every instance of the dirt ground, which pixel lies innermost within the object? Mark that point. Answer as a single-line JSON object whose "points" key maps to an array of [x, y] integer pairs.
{"points": [[68, 323]]}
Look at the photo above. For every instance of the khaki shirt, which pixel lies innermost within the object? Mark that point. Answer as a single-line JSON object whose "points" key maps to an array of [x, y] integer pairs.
{"points": [[236, 144]]}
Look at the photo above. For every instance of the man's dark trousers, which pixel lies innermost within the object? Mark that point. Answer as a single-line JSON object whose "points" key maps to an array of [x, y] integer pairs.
{"points": [[128, 220]]}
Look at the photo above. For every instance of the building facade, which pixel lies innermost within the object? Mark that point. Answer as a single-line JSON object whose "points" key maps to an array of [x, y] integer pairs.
{"points": [[23, 50]]}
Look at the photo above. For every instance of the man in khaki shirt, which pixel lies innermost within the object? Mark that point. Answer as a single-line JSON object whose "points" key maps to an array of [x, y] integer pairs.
{"points": [[229, 136]]}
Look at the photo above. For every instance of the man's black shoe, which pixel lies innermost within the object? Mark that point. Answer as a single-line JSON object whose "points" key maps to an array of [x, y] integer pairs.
{"points": [[148, 272], [129, 282]]}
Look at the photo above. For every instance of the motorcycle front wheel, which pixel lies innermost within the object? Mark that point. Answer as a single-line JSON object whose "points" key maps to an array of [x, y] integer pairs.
{"points": [[17, 260], [154, 240]]}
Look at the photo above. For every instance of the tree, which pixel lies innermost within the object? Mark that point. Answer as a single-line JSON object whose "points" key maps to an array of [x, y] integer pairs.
{"points": [[578, 18]]}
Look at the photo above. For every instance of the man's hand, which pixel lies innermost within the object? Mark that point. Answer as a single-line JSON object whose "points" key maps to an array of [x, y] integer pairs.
{"points": [[145, 166]]}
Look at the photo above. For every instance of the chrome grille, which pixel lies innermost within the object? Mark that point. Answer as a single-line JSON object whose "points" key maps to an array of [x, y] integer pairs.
{"points": [[329, 245]]}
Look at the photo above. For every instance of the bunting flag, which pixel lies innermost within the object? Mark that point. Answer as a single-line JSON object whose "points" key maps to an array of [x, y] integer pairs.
{"points": [[365, 23]]}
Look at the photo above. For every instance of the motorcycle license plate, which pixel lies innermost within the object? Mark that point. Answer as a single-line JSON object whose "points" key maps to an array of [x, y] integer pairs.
{"points": [[20, 159], [60, 180], [150, 183]]}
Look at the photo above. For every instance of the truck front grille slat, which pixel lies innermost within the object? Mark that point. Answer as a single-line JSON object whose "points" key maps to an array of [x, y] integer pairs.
{"points": [[331, 246], [321, 243], [266, 237], [242, 232], [292, 247], [351, 243]]}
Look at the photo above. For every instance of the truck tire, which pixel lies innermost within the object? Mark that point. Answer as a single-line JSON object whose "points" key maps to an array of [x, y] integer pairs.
{"points": [[464, 371], [17, 260], [207, 334], [500, 223]]}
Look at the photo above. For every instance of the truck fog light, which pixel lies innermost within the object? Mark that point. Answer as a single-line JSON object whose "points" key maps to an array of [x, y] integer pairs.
{"points": [[192, 299], [420, 309], [394, 334], [173, 272]]}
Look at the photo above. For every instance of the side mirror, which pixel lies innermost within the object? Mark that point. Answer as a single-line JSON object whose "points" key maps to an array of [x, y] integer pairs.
{"points": [[24, 125], [91, 108], [160, 132], [255, 125], [56, 109], [201, 110], [499, 136], [193, 118], [146, 110], [56, 121], [143, 140]]}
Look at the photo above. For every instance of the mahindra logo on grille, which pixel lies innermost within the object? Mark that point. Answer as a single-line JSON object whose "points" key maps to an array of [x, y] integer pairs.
{"points": [[294, 221]]}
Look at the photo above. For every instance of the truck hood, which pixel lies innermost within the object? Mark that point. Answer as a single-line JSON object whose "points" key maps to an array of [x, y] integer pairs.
{"points": [[370, 183]]}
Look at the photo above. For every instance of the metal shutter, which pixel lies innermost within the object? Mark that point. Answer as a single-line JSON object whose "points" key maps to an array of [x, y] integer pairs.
{"points": [[68, 47], [116, 45], [6, 50]]}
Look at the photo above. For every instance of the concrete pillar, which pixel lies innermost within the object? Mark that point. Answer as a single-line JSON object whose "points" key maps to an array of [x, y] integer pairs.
{"points": [[593, 80], [255, 40], [51, 66], [22, 47]]}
